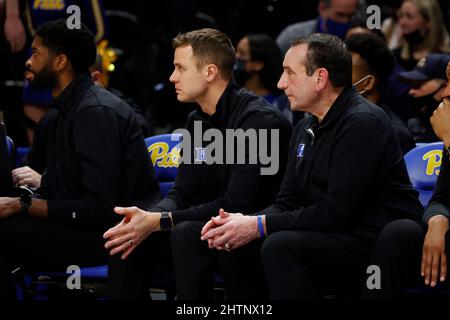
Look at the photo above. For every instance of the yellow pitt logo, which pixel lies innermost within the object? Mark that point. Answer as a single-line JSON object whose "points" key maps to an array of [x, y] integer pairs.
{"points": [[433, 159], [161, 157], [49, 4]]}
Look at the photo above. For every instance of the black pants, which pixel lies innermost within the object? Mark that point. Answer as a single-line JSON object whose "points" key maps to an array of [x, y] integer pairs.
{"points": [[398, 253], [130, 279], [300, 264], [195, 265], [37, 244]]}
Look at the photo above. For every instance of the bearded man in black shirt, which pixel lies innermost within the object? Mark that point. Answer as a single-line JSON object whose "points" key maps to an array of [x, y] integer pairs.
{"points": [[97, 159]]}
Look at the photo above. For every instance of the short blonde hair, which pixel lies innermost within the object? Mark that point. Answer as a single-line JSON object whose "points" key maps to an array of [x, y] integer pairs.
{"points": [[209, 46]]}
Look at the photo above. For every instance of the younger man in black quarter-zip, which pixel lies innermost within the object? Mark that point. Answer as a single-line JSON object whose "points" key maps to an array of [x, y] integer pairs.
{"points": [[345, 180], [96, 159], [203, 64]]}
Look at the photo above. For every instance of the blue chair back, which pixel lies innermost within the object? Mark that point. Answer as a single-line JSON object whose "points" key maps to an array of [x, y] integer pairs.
{"points": [[423, 164], [164, 153]]}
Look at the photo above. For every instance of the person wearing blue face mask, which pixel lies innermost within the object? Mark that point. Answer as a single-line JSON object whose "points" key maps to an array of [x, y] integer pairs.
{"points": [[334, 18]]}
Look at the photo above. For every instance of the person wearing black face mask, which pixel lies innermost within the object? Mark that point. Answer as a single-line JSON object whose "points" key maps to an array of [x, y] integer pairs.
{"points": [[414, 38], [240, 73], [257, 68], [423, 32], [334, 18], [258, 65], [428, 81]]}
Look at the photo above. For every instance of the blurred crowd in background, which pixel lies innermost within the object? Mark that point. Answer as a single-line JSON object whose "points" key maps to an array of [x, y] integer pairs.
{"points": [[137, 53]]}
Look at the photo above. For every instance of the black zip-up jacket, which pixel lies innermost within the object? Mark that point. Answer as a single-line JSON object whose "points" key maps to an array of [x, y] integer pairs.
{"points": [[97, 158], [345, 173], [36, 157], [405, 137], [200, 190]]}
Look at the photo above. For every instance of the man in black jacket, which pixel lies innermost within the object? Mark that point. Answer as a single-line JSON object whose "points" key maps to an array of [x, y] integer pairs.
{"points": [[345, 180], [206, 181], [97, 159], [35, 161]]}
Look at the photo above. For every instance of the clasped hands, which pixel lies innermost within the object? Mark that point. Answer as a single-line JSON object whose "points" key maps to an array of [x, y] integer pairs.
{"points": [[226, 231], [229, 231]]}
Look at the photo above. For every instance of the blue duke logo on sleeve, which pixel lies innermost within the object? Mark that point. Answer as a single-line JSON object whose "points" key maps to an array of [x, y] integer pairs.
{"points": [[300, 150], [200, 154]]}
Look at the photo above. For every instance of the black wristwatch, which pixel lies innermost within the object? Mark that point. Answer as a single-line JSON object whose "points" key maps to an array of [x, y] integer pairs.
{"points": [[25, 200], [165, 222]]}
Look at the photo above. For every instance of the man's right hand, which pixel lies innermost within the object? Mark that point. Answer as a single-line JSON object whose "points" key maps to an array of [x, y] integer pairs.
{"points": [[434, 259], [215, 222], [134, 228], [25, 176]]}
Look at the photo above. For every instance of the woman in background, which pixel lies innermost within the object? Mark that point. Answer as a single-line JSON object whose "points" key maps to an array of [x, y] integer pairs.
{"points": [[423, 31]]}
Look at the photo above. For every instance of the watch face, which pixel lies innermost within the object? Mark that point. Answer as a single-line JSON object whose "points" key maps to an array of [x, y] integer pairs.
{"points": [[165, 221]]}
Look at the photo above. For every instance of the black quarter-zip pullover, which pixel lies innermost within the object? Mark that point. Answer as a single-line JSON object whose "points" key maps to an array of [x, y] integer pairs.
{"points": [[344, 173], [97, 158], [201, 189]]}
